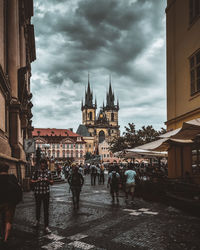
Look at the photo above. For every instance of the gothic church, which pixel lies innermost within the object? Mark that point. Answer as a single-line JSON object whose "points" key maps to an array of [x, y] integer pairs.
{"points": [[104, 126]]}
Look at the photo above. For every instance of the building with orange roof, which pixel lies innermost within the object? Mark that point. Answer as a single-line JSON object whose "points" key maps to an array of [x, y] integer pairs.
{"points": [[60, 145]]}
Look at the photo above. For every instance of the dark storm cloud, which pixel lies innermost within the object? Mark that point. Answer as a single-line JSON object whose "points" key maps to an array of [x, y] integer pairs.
{"points": [[112, 30], [104, 37]]}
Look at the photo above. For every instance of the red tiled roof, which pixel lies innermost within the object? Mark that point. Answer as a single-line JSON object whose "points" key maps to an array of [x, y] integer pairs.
{"points": [[53, 132]]}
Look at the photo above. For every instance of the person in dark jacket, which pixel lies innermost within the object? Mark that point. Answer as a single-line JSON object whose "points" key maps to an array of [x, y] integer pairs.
{"points": [[41, 179], [10, 196], [76, 181]]}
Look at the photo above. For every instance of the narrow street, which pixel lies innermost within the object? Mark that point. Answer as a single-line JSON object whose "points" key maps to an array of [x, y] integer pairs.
{"points": [[100, 225]]}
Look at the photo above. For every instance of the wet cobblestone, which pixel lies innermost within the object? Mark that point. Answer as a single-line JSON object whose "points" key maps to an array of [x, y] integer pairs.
{"points": [[100, 225]]}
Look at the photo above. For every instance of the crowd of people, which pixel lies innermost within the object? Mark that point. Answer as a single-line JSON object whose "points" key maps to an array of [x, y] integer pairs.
{"points": [[119, 177]]}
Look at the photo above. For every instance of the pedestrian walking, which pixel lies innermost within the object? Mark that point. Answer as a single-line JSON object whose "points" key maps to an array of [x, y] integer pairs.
{"points": [[10, 196], [102, 178], [76, 182], [130, 175], [41, 180], [113, 182], [93, 171]]}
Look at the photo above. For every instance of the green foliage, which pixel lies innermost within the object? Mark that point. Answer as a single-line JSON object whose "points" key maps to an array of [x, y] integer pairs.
{"points": [[132, 138]]}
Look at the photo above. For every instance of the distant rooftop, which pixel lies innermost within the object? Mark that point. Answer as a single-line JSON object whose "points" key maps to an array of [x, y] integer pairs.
{"points": [[82, 130], [53, 132]]}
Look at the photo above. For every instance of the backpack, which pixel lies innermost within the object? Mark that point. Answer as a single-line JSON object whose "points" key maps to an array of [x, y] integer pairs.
{"points": [[93, 170], [114, 178], [75, 180]]}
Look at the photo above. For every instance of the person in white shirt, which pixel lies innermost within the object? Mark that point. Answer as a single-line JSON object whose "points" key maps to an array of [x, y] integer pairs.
{"points": [[130, 175]]}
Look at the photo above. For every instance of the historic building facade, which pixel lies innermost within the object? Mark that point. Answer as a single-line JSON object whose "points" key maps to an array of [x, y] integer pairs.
{"points": [[17, 51], [104, 126], [183, 85], [60, 145]]}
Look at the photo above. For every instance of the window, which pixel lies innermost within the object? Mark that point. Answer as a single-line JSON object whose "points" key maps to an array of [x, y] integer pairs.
{"points": [[58, 154], [90, 116], [112, 117], [195, 73], [63, 154], [67, 146], [64, 146], [71, 145], [196, 157], [67, 154], [53, 145], [81, 154], [81, 146], [71, 153], [194, 10], [76, 146], [58, 145], [76, 154]]}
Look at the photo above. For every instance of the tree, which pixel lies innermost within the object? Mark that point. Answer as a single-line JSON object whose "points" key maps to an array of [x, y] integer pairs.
{"points": [[118, 144], [132, 138]]}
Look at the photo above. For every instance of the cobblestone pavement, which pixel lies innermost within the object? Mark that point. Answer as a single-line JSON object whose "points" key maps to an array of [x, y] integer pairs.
{"points": [[100, 225]]}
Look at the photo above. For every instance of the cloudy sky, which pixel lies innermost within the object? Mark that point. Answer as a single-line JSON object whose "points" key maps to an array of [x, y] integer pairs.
{"points": [[121, 38]]}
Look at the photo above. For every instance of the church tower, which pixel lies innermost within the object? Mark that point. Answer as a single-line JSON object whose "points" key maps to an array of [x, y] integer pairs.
{"points": [[111, 111], [88, 108]]}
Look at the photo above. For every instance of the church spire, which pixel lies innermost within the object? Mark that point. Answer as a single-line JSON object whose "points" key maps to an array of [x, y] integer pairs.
{"points": [[88, 95], [110, 96]]}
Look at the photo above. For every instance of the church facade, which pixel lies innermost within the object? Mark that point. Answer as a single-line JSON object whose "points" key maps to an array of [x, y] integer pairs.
{"points": [[100, 127]]}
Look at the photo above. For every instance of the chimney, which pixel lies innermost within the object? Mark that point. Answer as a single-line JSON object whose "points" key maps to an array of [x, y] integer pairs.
{"points": [[71, 129]]}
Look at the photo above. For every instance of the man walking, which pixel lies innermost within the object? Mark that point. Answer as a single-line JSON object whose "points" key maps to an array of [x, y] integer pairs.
{"points": [[93, 171], [113, 181], [130, 175], [76, 181], [41, 180]]}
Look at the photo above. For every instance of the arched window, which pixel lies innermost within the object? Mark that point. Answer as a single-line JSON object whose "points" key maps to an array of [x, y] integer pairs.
{"points": [[101, 136], [112, 117], [90, 116]]}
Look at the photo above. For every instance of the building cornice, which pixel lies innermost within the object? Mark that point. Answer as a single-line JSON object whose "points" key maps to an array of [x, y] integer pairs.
{"points": [[183, 116]]}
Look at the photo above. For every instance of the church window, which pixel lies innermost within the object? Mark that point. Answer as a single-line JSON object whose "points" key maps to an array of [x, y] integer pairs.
{"points": [[101, 136], [90, 116], [112, 117]]}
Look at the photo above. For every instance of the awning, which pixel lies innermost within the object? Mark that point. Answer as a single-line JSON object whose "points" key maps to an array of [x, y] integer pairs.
{"points": [[166, 144], [135, 152], [189, 130]]}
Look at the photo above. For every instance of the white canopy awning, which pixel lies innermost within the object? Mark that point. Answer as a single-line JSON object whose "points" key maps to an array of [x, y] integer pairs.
{"points": [[188, 131]]}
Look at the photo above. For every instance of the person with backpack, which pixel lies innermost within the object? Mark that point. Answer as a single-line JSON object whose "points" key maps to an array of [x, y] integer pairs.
{"points": [[41, 180], [10, 196], [102, 179], [93, 171], [76, 182], [130, 176], [113, 182]]}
